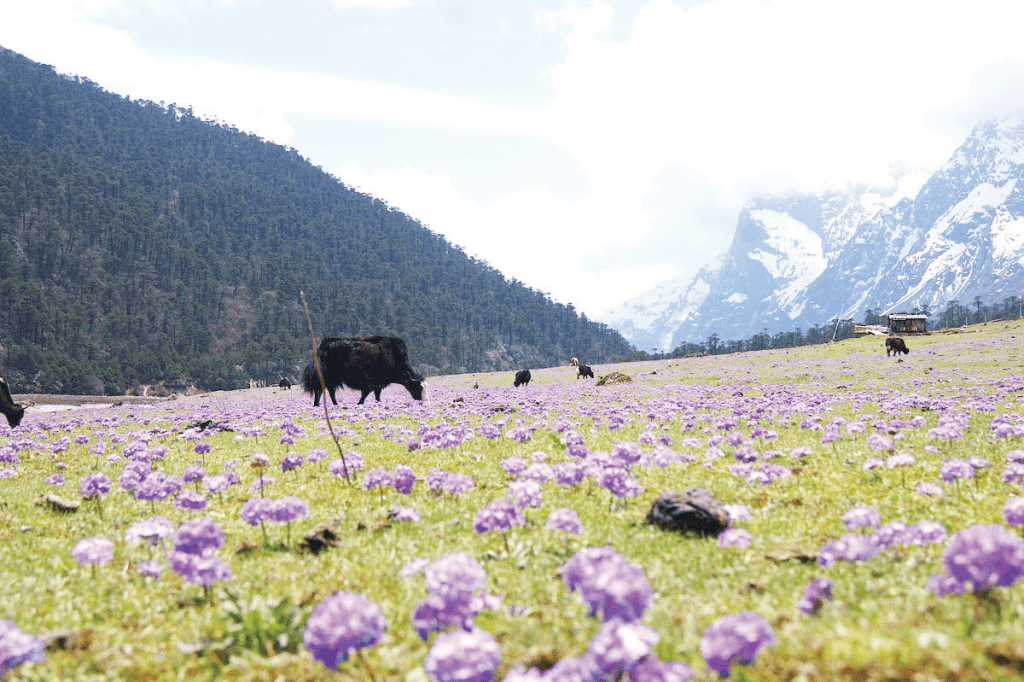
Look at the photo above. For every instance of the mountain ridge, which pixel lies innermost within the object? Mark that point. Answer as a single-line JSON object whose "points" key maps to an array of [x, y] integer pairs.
{"points": [[928, 241]]}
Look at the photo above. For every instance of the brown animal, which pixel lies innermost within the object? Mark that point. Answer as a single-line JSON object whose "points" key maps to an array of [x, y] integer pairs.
{"points": [[367, 365], [12, 410], [895, 345]]}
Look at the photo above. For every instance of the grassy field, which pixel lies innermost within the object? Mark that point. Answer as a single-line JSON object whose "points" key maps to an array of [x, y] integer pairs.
{"points": [[794, 436]]}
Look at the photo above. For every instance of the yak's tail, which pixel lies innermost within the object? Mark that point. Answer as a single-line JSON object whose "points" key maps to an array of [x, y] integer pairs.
{"points": [[310, 381]]}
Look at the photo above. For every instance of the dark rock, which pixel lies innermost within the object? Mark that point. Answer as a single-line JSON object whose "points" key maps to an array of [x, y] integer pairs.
{"points": [[693, 511], [327, 534]]}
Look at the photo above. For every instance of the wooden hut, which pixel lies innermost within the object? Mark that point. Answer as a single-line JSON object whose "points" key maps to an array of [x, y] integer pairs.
{"points": [[908, 323]]}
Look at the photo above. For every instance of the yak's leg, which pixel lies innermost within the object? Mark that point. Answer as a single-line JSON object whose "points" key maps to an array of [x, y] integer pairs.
{"points": [[316, 398], [362, 398], [376, 394], [333, 399]]}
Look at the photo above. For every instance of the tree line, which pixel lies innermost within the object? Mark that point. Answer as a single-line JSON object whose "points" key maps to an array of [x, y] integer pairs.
{"points": [[140, 243]]}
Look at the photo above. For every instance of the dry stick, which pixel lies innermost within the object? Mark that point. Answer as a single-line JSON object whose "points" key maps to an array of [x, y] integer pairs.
{"points": [[323, 386]]}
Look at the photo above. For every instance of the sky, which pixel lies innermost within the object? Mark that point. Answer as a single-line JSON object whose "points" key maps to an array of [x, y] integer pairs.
{"points": [[590, 149]]}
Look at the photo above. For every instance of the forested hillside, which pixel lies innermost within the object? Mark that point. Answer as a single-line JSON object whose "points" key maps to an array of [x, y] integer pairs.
{"points": [[139, 244]]}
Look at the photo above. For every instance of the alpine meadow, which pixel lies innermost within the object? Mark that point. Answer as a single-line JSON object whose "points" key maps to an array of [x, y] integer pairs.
{"points": [[874, 520]]}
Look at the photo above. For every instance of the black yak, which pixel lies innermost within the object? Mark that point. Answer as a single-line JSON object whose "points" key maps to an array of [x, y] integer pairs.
{"points": [[367, 365], [12, 410], [584, 371], [896, 345], [522, 378]]}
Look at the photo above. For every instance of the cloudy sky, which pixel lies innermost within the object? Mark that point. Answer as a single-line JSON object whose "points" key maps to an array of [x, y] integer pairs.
{"points": [[588, 148]]}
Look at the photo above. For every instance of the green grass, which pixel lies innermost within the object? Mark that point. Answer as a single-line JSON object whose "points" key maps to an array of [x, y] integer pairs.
{"points": [[881, 625]]}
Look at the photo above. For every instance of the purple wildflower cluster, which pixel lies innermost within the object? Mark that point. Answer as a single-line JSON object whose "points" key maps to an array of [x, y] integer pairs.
{"points": [[735, 638], [192, 555], [455, 595], [979, 559], [341, 623], [608, 584], [17, 647]]}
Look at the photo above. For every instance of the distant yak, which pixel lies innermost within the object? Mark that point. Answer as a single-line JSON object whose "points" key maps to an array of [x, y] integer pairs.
{"points": [[522, 378], [12, 410], [584, 371], [895, 345], [365, 364], [285, 383]]}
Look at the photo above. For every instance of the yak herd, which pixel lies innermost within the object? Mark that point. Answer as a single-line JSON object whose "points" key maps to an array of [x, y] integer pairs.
{"points": [[368, 365]]}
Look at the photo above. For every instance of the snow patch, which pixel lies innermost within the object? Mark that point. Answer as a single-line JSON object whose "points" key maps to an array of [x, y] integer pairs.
{"points": [[797, 257]]}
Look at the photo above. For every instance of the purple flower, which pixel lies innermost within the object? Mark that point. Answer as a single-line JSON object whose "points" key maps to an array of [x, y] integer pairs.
{"points": [[498, 515], [737, 512], [929, 488], [737, 537], [618, 647], [892, 534], [219, 483], [513, 466], [341, 623], [157, 486], [198, 537], [132, 474], [403, 479], [93, 551], [608, 583], [861, 517], [653, 670], [193, 473], [190, 500], [377, 477], [1013, 511], [953, 469], [564, 519], [736, 637], [525, 493], [463, 656], [941, 584], [203, 449], [455, 576], [94, 484], [287, 509], [928, 532], [291, 461], [55, 479], [873, 463], [17, 647], [848, 548], [1014, 471], [539, 472], [815, 596], [255, 510], [458, 483], [150, 531], [900, 459], [151, 568], [985, 557], [877, 441], [198, 569], [406, 514]]}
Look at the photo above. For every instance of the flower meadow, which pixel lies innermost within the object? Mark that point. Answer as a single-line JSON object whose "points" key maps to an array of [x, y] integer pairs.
{"points": [[493, 533]]}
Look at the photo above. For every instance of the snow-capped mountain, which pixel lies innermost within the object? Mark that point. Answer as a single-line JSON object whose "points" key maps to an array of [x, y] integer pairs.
{"points": [[798, 261]]}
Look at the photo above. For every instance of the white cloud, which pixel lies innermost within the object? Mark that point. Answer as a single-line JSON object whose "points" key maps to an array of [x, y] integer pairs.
{"points": [[741, 96], [386, 5]]}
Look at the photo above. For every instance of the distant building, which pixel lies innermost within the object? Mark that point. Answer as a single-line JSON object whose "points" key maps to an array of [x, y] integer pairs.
{"points": [[908, 323]]}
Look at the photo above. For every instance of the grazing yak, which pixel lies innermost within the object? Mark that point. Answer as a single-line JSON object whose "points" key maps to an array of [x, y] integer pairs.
{"points": [[522, 378], [367, 365], [895, 345], [12, 410], [584, 371]]}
